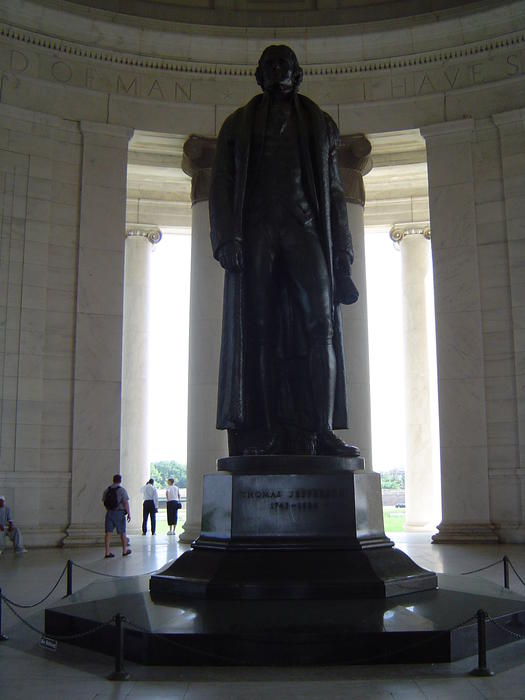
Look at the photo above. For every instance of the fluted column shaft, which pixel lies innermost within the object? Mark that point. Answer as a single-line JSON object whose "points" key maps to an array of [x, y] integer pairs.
{"points": [[354, 162], [134, 454], [205, 442], [420, 468]]}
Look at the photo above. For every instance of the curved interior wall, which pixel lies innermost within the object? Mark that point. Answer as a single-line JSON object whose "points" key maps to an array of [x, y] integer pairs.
{"points": [[76, 82]]}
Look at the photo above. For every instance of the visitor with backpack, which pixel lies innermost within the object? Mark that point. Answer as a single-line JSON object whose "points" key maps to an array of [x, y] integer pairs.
{"points": [[116, 502]]}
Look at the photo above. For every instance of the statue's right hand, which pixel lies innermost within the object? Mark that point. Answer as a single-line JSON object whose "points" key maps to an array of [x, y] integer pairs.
{"points": [[230, 256]]}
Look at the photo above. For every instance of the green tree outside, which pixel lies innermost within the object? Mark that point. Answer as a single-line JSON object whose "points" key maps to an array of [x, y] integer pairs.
{"points": [[393, 479], [162, 471]]}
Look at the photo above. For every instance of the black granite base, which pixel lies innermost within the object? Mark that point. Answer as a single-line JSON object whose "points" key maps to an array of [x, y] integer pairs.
{"points": [[424, 627], [320, 573], [281, 526]]}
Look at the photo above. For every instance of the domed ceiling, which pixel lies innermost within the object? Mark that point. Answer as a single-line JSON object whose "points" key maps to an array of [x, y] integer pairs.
{"points": [[277, 13]]}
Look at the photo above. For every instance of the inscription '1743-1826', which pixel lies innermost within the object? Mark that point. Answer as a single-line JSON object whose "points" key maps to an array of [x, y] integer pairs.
{"points": [[295, 499]]}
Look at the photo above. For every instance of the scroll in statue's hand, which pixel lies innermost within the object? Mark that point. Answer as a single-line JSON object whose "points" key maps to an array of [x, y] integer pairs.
{"points": [[230, 256]]}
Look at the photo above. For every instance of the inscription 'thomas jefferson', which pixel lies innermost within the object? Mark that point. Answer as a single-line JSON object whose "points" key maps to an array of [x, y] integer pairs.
{"points": [[291, 494]]}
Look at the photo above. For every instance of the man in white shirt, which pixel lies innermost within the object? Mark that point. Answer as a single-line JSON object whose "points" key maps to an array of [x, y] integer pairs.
{"points": [[7, 528], [149, 507]]}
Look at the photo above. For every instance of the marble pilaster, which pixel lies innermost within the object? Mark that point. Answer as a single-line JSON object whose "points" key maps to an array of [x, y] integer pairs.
{"points": [[420, 468], [205, 442], [459, 334], [508, 485], [99, 309], [134, 455], [355, 162]]}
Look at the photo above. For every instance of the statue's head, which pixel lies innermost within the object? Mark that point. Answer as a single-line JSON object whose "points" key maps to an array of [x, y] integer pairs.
{"points": [[279, 70]]}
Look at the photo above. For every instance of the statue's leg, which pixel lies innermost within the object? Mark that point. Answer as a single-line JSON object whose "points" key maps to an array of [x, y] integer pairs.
{"points": [[260, 276], [322, 368], [309, 274], [307, 269]]}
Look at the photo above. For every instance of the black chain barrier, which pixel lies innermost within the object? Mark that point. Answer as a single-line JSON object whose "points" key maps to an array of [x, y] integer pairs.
{"points": [[34, 605], [102, 573], [507, 564], [60, 638], [517, 575], [501, 627]]}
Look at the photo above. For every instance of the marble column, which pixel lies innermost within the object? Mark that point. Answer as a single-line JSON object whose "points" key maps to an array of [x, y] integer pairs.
{"points": [[420, 496], [134, 454], [354, 162], [98, 334], [454, 218], [205, 442]]}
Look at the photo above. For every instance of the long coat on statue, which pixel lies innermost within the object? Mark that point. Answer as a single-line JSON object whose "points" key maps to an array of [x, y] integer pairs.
{"points": [[238, 393]]}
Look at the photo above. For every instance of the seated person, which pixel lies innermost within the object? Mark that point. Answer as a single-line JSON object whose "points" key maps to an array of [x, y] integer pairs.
{"points": [[7, 528]]}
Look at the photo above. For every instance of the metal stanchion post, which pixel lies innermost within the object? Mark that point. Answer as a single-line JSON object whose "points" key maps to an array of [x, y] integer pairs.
{"points": [[482, 669], [69, 578], [120, 673], [506, 571], [3, 637]]}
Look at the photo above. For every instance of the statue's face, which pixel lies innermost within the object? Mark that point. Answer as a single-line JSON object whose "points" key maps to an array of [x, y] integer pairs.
{"points": [[277, 71]]}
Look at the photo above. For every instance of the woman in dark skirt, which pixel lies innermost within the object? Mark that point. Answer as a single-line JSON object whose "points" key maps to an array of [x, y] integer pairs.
{"points": [[173, 504]]}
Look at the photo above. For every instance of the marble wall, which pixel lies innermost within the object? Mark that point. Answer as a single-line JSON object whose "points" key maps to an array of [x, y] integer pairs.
{"points": [[68, 106], [40, 165]]}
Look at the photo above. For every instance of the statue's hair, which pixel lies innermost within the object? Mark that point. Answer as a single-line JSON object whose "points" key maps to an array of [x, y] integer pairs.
{"points": [[297, 75]]}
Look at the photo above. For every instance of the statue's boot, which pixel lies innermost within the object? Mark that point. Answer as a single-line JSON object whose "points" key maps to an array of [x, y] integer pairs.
{"points": [[328, 443]]}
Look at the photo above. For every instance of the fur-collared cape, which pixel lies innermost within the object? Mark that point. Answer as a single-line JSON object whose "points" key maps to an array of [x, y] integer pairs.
{"points": [[238, 392]]}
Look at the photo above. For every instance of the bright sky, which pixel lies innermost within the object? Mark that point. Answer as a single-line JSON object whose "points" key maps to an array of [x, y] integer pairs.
{"points": [[385, 331], [168, 347], [169, 313]]}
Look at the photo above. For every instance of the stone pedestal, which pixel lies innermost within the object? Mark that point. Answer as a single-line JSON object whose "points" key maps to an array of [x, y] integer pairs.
{"points": [[291, 527]]}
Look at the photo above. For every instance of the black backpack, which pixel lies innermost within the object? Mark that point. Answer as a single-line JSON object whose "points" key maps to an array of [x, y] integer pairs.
{"points": [[111, 498]]}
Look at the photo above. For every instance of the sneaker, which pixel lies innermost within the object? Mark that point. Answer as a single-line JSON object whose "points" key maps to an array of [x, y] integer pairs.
{"points": [[125, 554], [20, 551]]}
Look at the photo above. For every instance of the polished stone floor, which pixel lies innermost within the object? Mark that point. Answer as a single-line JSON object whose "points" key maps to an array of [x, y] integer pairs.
{"points": [[28, 670]]}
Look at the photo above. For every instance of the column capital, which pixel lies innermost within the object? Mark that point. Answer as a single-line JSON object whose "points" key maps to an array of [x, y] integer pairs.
{"points": [[100, 130], [198, 154], [354, 162], [509, 119], [152, 233], [456, 131], [399, 231]]}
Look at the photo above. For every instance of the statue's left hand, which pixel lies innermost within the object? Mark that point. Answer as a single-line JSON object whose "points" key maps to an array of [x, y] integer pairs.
{"points": [[230, 256], [345, 290]]}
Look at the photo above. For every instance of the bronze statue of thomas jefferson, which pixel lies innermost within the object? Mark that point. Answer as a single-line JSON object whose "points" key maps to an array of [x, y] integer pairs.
{"points": [[279, 228]]}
